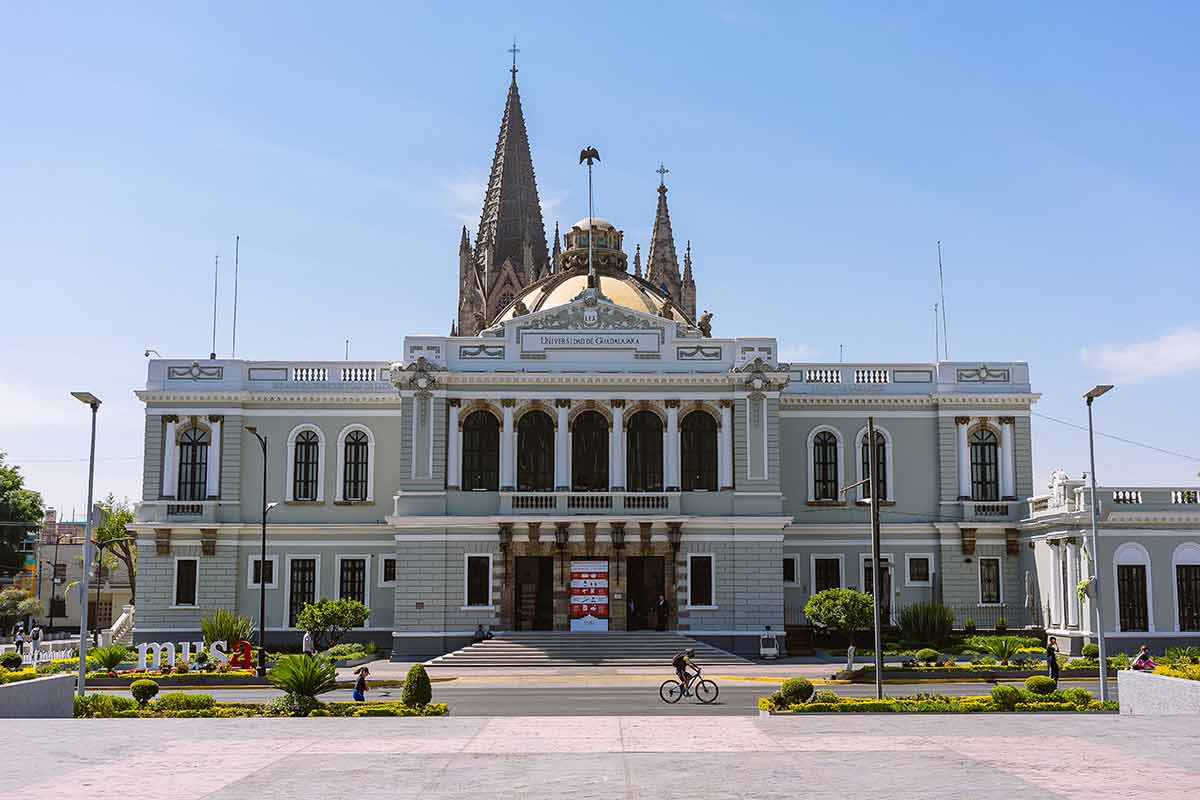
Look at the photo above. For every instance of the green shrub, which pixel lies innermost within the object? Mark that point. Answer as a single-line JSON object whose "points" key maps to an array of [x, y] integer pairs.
{"points": [[927, 656], [1081, 698], [290, 705], [223, 625], [371, 647], [103, 705], [201, 658], [417, 689], [1006, 697], [927, 622], [1091, 650], [985, 661], [1183, 655], [329, 620], [319, 712], [374, 711], [110, 657], [1040, 684], [981, 644], [1003, 647], [305, 676], [11, 660], [346, 650], [1036, 705], [824, 696], [1119, 661], [795, 691], [179, 701], [1189, 672], [143, 690]]}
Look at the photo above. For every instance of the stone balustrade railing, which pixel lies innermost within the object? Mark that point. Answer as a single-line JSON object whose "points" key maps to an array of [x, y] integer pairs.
{"points": [[1121, 498], [573, 503]]}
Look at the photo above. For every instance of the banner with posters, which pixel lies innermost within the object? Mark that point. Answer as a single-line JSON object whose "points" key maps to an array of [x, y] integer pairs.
{"points": [[589, 595]]}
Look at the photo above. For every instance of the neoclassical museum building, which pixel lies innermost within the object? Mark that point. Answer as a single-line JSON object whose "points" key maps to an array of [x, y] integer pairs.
{"points": [[577, 446]]}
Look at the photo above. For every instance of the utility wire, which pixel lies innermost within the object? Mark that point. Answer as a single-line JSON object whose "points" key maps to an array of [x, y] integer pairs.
{"points": [[1117, 438], [19, 461]]}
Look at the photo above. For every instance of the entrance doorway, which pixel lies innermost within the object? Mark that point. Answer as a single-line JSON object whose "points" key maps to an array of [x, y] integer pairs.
{"points": [[645, 582], [533, 607]]}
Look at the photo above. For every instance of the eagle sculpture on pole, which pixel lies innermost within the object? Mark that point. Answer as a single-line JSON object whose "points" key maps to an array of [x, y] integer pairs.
{"points": [[590, 154]]}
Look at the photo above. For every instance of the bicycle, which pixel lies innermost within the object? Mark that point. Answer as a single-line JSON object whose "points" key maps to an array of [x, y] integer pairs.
{"points": [[672, 691]]}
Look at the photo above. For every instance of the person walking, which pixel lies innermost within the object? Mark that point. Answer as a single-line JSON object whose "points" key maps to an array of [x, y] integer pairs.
{"points": [[307, 645], [19, 640], [662, 610], [1052, 658], [360, 684], [35, 641]]}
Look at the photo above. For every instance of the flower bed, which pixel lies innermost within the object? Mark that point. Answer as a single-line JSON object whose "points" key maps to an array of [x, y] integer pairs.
{"points": [[233, 677], [177, 705], [1002, 699]]}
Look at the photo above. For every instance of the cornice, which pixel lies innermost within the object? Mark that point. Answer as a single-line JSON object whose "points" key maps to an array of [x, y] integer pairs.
{"points": [[717, 379], [268, 398]]}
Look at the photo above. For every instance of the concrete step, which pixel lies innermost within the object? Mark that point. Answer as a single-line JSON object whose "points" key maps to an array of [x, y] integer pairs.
{"points": [[569, 649]]}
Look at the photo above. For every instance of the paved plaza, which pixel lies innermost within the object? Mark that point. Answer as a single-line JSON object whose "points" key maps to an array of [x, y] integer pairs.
{"points": [[999, 756]]}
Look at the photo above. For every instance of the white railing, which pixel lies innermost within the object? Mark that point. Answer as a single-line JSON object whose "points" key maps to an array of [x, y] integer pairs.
{"points": [[984, 510], [590, 502], [121, 631], [822, 376], [1126, 497], [358, 374], [871, 376], [1185, 497], [310, 374]]}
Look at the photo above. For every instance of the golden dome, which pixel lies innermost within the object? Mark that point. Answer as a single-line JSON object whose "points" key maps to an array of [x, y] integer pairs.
{"points": [[618, 286]]}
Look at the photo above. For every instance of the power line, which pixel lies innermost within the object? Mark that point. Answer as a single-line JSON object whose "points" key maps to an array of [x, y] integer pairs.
{"points": [[1117, 438], [20, 461]]}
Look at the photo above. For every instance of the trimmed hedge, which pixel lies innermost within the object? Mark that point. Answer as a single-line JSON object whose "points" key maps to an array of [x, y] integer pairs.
{"points": [[417, 689], [1002, 698], [1040, 684]]}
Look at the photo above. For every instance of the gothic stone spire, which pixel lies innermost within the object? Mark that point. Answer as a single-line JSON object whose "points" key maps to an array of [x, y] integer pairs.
{"points": [[556, 255], [687, 290], [662, 264]]}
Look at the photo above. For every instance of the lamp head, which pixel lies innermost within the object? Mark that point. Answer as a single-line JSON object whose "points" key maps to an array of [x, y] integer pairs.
{"points": [[252, 428], [87, 398], [271, 506], [1097, 391]]}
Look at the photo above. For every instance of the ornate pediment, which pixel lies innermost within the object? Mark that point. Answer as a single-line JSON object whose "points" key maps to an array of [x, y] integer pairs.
{"points": [[591, 311], [418, 375], [759, 376]]}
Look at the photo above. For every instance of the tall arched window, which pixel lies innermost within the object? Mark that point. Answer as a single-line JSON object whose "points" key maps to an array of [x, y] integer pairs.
{"points": [[481, 452], [644, 453], [589, 452], [306, 472], [881, 460], [193, 465], [698, 452], [535, 452], [825, 466], [356, 453], [985, 469]]}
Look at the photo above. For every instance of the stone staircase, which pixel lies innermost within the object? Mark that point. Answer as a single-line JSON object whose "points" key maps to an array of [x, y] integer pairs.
{"points": [[575, 649]]}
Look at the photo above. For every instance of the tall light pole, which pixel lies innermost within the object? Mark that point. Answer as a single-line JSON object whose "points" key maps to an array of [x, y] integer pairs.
{"points": [[262, 563], [94, 403], [872, 484], [1096, 601]]}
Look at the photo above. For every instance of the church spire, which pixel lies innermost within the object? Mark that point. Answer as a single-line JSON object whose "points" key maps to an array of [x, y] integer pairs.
{"points": [[662, 263], [687, 292], [556, 256], [637, 261]]}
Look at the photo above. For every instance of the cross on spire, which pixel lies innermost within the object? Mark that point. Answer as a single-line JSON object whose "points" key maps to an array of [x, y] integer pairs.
{"points": [[514, 50], [662, 174]]}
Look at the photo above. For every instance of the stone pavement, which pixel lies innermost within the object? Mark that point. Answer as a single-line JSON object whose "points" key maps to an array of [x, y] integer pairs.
{"points": [[1002, 756]]}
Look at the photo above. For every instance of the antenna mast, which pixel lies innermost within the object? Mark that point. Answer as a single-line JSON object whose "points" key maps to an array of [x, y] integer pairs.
{"points": [[937, 348], [237, 243], [590, 154], [213, 354], [942, 290]]}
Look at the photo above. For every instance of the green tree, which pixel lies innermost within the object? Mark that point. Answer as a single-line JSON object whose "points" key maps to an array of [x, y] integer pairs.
{"points": [[846, 610], [118, 543], [15, 606], [328, 620], [21, 514]]}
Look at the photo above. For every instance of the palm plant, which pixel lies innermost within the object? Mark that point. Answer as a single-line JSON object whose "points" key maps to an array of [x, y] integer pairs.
{"points": [[223, 625], [1003, 647], [109, 657], [1184, 655], [303, 675]]}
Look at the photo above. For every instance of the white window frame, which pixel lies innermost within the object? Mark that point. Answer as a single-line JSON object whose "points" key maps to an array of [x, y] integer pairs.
{"points": [[811, 456], [337, 571], [714, 606], [885, 558], [287, 584], [1186, 554], [1134, 553], [812, 569], [290, 487], [385, 584], [890, 495], [795, 570], [979, 580], [214, 451], [251, 559], [491, 603], [175, 583], [908, 582], [340, 489]]}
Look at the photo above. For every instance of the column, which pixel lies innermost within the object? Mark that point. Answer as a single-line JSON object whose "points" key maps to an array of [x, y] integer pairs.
{"points": [[508, 447], [964, 458], [170, 453], [1072, 581], [562, 447], [726, 445], [212, 480], [671, 448], [616, 447], [1007, 478], [454, 446], [1058, 613]]}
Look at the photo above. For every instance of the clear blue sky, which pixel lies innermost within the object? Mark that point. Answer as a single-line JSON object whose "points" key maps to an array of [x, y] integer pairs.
{"points": [[816, 155]]}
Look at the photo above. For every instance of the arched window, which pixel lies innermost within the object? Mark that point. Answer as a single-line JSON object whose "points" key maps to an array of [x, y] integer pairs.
{"points": [[881, 460], [1186, 561], [193, 465], [481, 452], [506, 297], [644, 453], [535, 452], [985, 470], [356, 453], [589, 452], [825, 466], [306, 471], [698, 452]]}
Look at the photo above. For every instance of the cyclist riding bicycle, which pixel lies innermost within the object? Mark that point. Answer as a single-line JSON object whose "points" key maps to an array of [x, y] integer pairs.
{"points": [[681, 662]]}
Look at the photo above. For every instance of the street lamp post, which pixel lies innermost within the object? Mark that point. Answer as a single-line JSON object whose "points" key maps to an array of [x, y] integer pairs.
{"points": [[262, 562], [1096, 601], [94, 403]]}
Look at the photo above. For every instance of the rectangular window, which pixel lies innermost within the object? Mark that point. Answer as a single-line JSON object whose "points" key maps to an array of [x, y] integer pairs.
{"points": [[262, 572], [352, 583], [827, 574], [389, 570], [58, 607], [185, 581], [302, 587], [789, 569], [700, 581], [989, 580], [479, 581], [1187, 584], [1131, 594], [918, 569]]}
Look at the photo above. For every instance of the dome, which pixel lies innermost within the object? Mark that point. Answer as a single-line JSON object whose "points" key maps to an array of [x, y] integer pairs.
{"points": [[596, 221], [618, 286]]}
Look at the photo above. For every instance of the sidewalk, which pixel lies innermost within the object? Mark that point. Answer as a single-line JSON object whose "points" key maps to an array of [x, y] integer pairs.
{"points": [[383, 670]]}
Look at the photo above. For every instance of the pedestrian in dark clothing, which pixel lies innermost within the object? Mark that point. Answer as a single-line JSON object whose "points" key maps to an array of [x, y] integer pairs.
{"points": [[1143, 659], [662, 611], [480, 634], [1052, 658], [20, 641], [360, 684]]}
